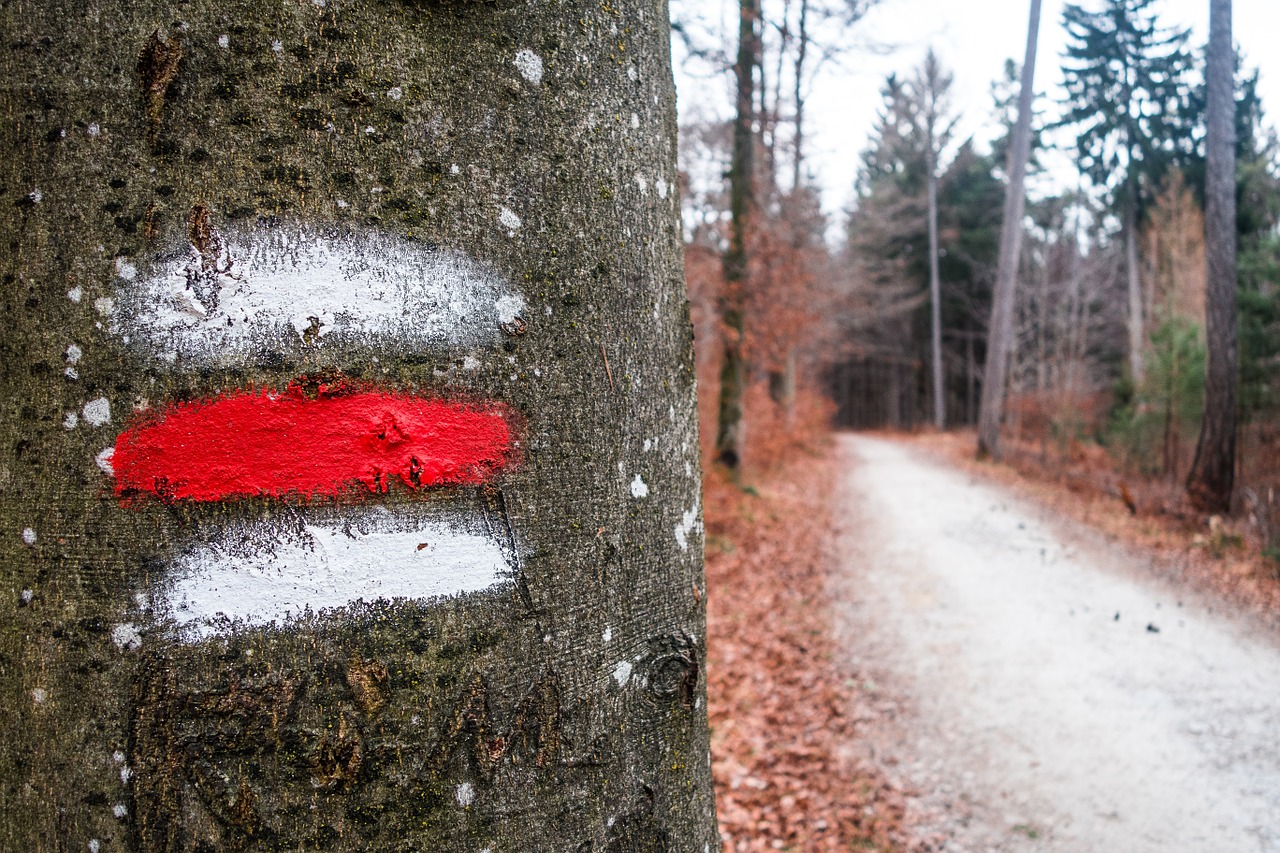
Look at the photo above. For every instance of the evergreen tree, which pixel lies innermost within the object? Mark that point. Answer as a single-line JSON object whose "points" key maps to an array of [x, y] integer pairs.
{"points": [[888, 248], [1126, 81]]}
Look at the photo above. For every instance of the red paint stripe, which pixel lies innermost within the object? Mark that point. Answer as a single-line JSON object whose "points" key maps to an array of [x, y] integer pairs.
{"points": [[256, 444]]}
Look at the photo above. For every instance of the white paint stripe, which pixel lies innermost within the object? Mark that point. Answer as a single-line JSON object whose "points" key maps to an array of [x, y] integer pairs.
{"points": [[265, 572], [286, 288]]}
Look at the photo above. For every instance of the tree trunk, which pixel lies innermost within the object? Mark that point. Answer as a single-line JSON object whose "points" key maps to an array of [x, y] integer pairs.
{"points": [[1213, 471], [935, 279], [349, 322], [802, 52], [1137, 330], [971, 381], [733, 369], [895, 394], [1001, 333]]}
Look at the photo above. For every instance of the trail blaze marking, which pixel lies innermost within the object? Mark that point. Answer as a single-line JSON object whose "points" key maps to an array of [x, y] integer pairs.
{"points": [[295, 290], [264, 571], [290, 288], [280, 445]]}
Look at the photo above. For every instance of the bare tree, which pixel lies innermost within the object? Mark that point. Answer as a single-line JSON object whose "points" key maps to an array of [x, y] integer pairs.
{"points": [[1212, 474], [933, 85], [737, 267], [1001, 329]]}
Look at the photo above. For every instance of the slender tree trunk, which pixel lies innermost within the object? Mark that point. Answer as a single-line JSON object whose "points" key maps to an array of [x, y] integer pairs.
{"points": [[1000, 338], [348, 322], [971, 381], [935, 278], [802, 51], [1213, 472], [1074, 322], [733, 370], [1137, 329], [895, 394], [1041, 283]]}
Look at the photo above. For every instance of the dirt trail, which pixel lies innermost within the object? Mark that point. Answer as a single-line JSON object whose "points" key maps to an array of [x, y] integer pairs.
{"points": [[1039, 692]]}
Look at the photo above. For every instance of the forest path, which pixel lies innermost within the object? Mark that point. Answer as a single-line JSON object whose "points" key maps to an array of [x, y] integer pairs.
{"points": [[1024, 691]]}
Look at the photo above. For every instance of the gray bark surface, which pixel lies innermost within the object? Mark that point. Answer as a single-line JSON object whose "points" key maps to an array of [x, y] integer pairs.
{"points": [[1133, 273], [1213, 471], [737, 261], [935, 283], [1000, 333], [932, 86], [563, 711]]}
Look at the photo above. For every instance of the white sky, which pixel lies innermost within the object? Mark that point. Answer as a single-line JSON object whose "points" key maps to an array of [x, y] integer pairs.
{"points": [[973, 38]]}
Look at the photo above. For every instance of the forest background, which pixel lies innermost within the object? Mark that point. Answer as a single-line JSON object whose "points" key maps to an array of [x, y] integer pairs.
{"points": [[835, 304], [809, 133]]}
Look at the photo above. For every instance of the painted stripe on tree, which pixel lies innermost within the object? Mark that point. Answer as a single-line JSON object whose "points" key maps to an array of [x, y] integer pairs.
{"points": [[251, 297], [280, 445], [245, 295], [267, 572]]}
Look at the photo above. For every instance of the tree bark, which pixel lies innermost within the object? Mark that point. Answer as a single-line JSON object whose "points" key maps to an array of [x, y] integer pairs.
{"points": [[935, 302], [935, 278], [1137, 328], [733, 368], [1000, 332], [1212, 474], [802, 52], [160, 162]]}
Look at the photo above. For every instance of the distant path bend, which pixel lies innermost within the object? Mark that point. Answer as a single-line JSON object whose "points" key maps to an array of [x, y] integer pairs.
{"points": [[1038, 710]]}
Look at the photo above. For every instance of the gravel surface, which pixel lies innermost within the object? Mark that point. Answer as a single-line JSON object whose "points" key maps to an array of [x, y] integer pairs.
{"points": [[1038, 690]]}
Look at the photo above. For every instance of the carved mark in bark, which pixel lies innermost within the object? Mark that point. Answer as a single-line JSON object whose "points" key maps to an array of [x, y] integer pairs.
{"points": [[496, 505], [368, 682], [203, 237], [157, 69], [178, 740], [336, 761], [532, 736]]}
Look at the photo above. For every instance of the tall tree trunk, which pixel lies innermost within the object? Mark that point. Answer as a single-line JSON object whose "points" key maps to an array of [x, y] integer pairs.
{"points": [[971, 381], [895, 394], [733, 369], [802, 52], [1001, 333], [349, 322], [1137, 329], [1213, 471], [1074, 321], [935, 278]]}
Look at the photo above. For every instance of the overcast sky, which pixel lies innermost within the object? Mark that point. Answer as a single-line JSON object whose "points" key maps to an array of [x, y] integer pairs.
{"points": [[973, 38]]}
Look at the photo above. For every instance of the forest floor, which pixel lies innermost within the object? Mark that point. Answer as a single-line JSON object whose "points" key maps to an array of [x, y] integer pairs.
{"points": [[1035, 682], [786, 711]]}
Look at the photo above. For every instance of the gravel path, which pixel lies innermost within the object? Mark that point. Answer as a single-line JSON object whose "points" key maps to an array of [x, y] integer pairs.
{"points": [[1037, 691]]}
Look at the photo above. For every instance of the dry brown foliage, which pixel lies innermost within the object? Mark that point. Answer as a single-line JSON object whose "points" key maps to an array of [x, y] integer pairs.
{"points": [[782, 706]]}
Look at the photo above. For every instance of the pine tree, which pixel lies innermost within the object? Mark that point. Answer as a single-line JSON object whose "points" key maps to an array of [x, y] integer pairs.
{"points": [[888, 247], [1126, 82]]}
